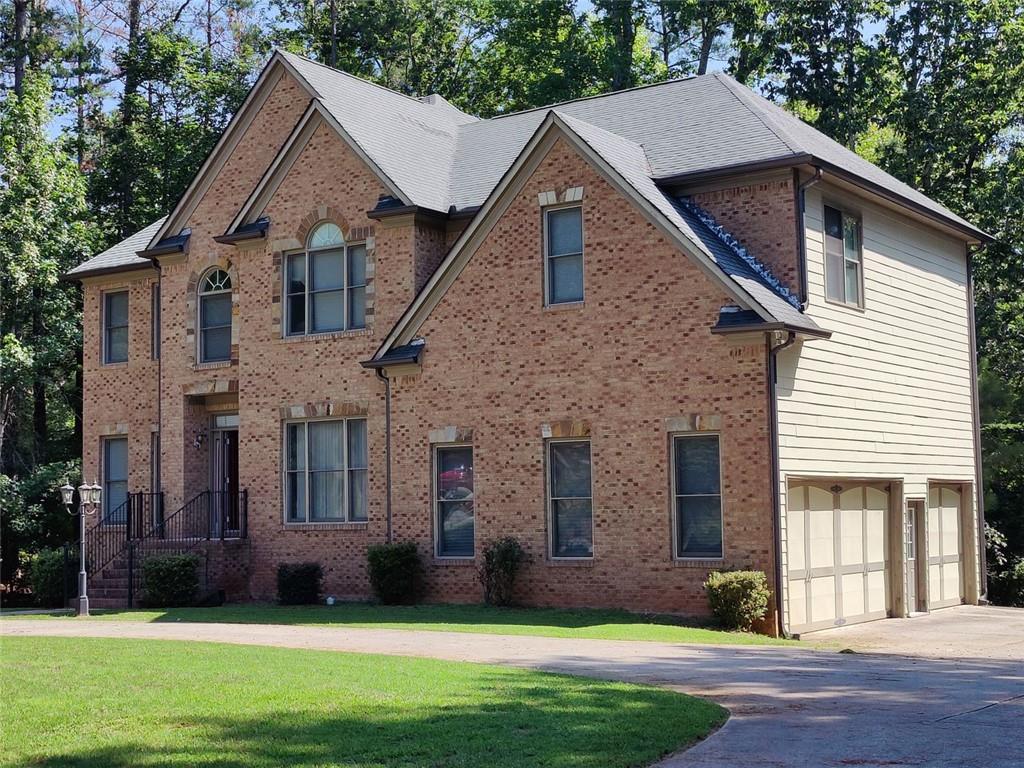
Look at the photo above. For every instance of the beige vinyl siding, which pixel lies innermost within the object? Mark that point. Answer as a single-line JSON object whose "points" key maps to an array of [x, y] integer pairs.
{"points": [[889, 395]]}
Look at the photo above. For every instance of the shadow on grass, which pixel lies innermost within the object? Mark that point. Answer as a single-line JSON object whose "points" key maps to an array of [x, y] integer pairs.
{"points": [[525, 722]]}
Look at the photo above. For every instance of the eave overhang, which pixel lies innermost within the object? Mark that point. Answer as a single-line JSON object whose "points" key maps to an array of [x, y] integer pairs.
{"points": [[71, 277], [169, 245], [256, 230], [406, 354]]}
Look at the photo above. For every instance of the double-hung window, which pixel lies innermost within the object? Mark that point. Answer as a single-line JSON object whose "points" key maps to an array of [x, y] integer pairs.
{"points": [[453, 501], [115, 480], [115, 327], [215, 317], [697, 493], [325, 471], [570, 498], [326, 284], [563, 255], [844, 266]]}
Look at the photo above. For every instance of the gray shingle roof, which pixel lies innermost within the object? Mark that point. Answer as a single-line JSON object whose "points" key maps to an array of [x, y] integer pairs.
{"points": [[123, 255]]}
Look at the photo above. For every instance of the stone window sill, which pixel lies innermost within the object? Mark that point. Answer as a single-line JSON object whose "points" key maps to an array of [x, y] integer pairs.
{"points": [[697, 563], [213, 365], [360, 525], [570, 562], [355, 333], [458, 562], [564, 307]]}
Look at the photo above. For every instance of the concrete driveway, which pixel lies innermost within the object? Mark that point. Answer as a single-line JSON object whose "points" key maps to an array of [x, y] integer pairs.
{"points": [[790, 706]]}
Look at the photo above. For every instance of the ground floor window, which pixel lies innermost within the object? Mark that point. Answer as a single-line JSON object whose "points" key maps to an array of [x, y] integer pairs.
{"points": [[570, 498], [697, 491], [325, 471], [453, 495], [115, 479]]}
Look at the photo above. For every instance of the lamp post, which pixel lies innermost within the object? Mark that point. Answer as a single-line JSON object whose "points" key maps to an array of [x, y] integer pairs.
{"points": [[89, 497]]}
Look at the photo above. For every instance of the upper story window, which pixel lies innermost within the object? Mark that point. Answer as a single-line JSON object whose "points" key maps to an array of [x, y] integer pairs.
{"points": [[325, 471], [844, 269], [326, 284], [215, 316], [115, 327], [697, 492], [563, 255]]}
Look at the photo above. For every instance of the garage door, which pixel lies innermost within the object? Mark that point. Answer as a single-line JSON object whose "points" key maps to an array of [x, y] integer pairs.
{"points": [[836, 553], [945, 567]]}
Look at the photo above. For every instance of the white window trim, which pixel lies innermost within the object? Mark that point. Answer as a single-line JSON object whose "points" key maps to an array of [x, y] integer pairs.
{"points": [[435, 466], [844, 213], [548, 257], [548, 469], [346, 517], [200, 295], [674, 513], [346, 288], [103, 326]]}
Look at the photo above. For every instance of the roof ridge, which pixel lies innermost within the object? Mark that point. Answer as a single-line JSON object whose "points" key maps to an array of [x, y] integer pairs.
{"points": [[736, 247], [604, 95], [349, 75], [743, 95]]}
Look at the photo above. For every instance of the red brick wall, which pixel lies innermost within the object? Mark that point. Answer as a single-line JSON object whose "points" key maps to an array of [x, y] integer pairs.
{"points": [[638, 353], [762, 216]]}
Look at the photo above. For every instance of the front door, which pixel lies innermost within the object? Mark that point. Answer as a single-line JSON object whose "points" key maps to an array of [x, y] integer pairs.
{"points": [[224, 476]]}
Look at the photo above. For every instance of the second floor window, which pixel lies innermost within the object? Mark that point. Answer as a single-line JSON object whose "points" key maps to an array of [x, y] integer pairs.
{"points": [[563, 255], [215, 317], [326, 284], [843, 262], [115, 327]]}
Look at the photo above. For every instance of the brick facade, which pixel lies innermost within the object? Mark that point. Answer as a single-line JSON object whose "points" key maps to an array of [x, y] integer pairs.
{"points": [[631, 366]]}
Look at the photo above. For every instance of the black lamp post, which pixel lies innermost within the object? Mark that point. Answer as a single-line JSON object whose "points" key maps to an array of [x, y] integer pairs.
{"points": [[89, 499]]}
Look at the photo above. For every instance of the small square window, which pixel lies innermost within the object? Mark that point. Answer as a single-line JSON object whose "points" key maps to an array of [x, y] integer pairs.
{"points": [[843, 257], [564, 255]]}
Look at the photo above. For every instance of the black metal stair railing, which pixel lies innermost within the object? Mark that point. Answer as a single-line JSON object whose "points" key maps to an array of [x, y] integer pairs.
{"points": [[134, 517]]}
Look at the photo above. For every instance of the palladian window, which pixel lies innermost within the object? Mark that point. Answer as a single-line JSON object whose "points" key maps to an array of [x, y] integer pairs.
{"points": [[326, 284]]}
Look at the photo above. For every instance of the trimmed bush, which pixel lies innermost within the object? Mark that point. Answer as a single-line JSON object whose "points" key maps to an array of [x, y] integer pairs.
{"points": [[170, 580], [501, 564], [299, 583], [396, 572], [738, 598], [45, 576]]}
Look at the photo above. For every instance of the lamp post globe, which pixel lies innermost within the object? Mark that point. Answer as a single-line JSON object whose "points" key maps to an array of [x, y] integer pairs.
{"points": [[67, 493]]}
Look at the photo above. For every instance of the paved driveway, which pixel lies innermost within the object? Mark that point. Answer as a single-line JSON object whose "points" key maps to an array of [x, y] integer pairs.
{"points": [[790, 706]]}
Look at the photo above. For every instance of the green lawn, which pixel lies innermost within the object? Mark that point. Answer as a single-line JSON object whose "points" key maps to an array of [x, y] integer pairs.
{"points": [[547, 622], [100, 703]]}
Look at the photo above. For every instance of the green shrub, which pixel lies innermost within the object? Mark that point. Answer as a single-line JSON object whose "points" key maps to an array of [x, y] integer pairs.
{"points": [[738, 598], [1006, 586], [46, 574], [170, 580], [395, 572], [501, 564], [299, 583]]}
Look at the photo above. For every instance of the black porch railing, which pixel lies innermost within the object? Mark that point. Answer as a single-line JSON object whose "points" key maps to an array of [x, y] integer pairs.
{"points": [[136, 516]]}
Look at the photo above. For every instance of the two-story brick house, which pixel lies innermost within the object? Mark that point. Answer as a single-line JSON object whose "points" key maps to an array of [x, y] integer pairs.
{"points": [[650, 334]]}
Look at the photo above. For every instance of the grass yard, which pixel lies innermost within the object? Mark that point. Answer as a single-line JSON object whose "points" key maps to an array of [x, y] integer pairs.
{"points": [[544, 622], [99, 703]]}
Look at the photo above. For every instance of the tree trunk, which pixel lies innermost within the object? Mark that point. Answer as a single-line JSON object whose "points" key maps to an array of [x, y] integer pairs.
{"points": [[40, 429], [623, 27], [20, 45]]}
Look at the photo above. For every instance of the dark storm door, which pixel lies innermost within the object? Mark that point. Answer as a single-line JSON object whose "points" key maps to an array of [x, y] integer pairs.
{"points": [[224, 485]]}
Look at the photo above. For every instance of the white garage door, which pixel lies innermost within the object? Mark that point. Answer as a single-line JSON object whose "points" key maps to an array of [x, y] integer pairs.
{"points": [[836, 537], [945, 569]]}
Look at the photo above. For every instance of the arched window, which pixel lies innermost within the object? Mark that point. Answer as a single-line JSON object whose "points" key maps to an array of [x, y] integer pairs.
{"points": [[215, 316], [326, 284]]}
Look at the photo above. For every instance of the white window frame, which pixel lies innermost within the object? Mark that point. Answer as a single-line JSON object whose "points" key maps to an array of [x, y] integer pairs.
{"points": [[435, 466], [346, 289], [200, 295], [104, 346], [674, 510], [346, 470], [548, 257], [844, 214], [548, 471]]}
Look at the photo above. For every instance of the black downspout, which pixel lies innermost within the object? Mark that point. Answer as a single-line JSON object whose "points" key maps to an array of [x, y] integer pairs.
{"points": [[801, 246], [387, 448], [773, 426], [976, 407]]}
